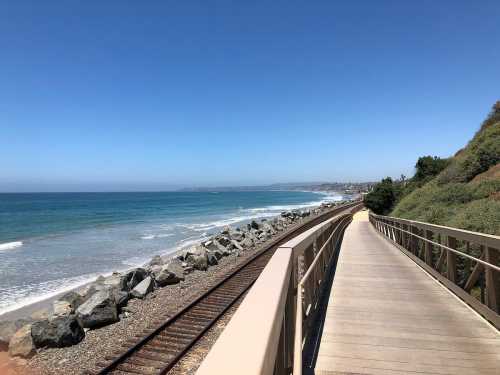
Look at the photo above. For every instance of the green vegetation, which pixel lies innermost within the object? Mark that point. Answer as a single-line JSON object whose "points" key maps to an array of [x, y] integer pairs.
{"points": [[462, 191]]}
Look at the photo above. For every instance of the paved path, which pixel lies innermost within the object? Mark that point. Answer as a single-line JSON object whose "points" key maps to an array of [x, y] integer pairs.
{"points": [[387, 316]]}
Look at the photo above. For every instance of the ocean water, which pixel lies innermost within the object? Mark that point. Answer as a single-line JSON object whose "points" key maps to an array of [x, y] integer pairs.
{"points": [[51, 242]]}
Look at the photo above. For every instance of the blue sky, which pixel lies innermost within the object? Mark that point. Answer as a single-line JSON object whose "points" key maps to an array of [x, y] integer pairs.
{"points": [[120, 95]]}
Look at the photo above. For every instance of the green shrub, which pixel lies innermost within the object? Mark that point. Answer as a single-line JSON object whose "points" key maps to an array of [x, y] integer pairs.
{"points": [[479, 216], [427, 167], [382, 198]]}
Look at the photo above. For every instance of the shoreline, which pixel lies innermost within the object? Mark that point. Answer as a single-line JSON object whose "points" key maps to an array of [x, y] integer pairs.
{"points": [[41, 302]]}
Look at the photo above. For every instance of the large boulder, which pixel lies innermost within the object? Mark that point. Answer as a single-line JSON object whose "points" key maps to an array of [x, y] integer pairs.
{"points": [[212, 259], [198, 262], [8, 329], [197, 258], [21, 344], [121, 298], [133, 278], [236, 235], [214, 245], [268, 228], [254, 225], [116, 281], [237, 245], [224, 241], [175, 267], [58, 332], [143, 288], [247, 242], [40, 314], [164, 277], [100, 309], [61, 308], [74, 299], [218, 254]]}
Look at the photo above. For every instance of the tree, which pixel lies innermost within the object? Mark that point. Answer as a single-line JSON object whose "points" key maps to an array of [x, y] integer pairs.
{"points": [[428, 167], [382, 198]]}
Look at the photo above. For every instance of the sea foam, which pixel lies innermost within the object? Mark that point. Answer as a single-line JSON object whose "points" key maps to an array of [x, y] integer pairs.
{"points": [[10, 245]]}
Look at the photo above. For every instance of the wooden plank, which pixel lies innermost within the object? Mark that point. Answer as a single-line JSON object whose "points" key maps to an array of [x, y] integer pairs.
{"points": [[387, 316]]}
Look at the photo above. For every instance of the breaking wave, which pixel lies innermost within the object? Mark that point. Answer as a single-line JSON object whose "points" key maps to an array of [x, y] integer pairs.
{"points": [[10, 245]]}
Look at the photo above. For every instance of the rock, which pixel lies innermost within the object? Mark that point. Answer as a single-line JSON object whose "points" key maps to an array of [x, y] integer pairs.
{"points": [[40, 314], [254, 225], [74, 299], [143, 288], [59, 332], [212, 260], [156, 269], [115, 281], [21, 343], [214, 245], [224, 241], [218, 254], [165, 277], [100, 279], [246, 242], [61, 308], [156, 261], [237, 245], [99, 310], [8, 329], [134, 277], [198, 262], [121, 298], [236, 235], [266, 227], [188, 269], [176, 268], [198, 259]]}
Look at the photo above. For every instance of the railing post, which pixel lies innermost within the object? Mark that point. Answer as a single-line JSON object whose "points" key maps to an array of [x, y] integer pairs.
{"points": [[451, 260], [414, 240], [492, 280], [428, 248]]}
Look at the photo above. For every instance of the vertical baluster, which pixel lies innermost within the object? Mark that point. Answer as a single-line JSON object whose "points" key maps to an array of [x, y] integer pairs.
{"points": [[428, 247], [451, 260]]}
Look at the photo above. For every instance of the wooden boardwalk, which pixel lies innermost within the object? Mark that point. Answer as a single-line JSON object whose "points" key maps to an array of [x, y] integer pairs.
{"points": [[387, 316]]}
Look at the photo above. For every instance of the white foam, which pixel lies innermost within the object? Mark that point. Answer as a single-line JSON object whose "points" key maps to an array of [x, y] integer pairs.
{"points": [[16, 297], [10, 245], [199, 227], [153, 236], [190, 242]]}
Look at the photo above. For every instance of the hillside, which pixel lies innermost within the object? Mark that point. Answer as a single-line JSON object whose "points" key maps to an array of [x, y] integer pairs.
{"points": [[465, 193]]}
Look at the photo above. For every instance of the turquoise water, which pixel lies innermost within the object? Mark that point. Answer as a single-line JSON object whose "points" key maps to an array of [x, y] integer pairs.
{"points": [[55, 241]]}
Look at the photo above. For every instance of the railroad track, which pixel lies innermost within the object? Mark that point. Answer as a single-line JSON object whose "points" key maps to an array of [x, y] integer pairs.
{"points": [[160, 348]]}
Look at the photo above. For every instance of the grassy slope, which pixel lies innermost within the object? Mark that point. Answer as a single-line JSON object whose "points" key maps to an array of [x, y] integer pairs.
{"points": [[467, 193]]}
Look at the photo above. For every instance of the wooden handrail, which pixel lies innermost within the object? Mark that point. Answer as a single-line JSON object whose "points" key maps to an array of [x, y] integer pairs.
{"points": [[317, 271], [444, 252]]}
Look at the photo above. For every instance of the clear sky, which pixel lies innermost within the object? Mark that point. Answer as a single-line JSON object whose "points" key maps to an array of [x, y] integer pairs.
{"points": [[119, 95]]}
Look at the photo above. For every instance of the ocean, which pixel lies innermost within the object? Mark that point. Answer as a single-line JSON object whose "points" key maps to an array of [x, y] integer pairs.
{"points": [[52, 242]]}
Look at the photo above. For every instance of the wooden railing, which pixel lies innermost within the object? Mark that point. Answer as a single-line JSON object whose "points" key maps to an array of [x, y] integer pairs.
{"points": [[468, 263], [267, 332], [310, 285]]}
